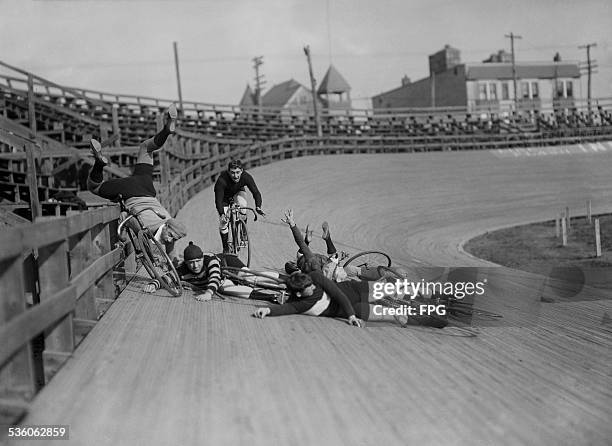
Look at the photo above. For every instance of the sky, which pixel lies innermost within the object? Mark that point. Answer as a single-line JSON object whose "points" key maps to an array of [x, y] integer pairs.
{"points": [[126, 46]]}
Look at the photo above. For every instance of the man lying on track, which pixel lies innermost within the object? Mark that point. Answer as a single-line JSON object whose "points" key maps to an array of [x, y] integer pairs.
{"points": [[315, 295], [308, 261], [202, 273], [138, 190]]}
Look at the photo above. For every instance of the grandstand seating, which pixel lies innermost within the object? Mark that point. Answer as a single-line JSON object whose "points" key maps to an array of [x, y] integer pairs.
{"points": [[73, 115], [65, 119]]}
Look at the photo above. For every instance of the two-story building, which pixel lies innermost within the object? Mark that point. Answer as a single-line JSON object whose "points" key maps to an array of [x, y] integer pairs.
{"points": [[487, 86]]}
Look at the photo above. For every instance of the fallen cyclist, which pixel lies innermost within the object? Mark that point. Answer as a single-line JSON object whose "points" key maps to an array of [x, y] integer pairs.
{"points": [[315, 295], [307, 260], [138, 189], [329, 265], [201, 273]]}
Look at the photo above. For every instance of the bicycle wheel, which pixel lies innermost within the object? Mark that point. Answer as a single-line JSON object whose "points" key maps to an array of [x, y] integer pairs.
{"points": [[253, 278], [133, 239], [242, 243], [369, 259], [159, 265]]}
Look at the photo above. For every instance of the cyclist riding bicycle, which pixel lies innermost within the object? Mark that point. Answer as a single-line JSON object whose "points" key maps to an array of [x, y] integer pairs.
{"points": [[201, 272], [230, 187], [137, 190], [315, 295]]}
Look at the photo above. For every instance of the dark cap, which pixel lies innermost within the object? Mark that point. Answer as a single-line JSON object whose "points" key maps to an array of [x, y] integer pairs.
{"points": [[192, 252]]}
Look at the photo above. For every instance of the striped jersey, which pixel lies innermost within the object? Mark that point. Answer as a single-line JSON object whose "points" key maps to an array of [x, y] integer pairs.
{"points": [[207, 279]]}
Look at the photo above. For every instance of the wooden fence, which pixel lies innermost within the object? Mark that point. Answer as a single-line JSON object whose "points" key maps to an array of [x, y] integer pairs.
{"points": [[56, 280]]}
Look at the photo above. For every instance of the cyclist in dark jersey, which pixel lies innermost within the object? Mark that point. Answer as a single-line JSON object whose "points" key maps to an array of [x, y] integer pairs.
{"points": [[231, 187], [315, 295]]}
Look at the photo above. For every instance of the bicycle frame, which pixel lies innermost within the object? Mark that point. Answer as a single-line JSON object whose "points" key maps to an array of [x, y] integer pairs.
{"points": [[150, 251], [254, 278], [238, 229]]}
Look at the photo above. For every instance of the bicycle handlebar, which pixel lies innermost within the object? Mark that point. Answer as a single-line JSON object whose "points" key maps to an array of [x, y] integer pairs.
{"points": [[238, 208]]}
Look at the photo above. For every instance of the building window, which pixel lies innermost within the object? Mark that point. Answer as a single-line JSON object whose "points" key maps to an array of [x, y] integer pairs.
{"points": [[535, 93], [493, 91], [525, 90], [505, 90], [564, 89], [560, 89], [482, 91]]}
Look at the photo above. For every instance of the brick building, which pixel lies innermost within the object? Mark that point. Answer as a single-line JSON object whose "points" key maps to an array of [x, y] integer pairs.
{"points": [[486, 85]]}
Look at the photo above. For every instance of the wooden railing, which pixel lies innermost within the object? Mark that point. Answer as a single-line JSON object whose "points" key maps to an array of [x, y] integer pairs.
{"points": [[56, 280], [130, 116], [39, 102], [191, 162]]}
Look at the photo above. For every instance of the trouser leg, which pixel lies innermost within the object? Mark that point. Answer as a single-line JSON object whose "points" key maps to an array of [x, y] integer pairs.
{"points": [[95, 177]]}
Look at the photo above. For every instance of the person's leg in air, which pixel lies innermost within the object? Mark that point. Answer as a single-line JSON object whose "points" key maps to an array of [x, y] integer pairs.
{"points": [[110, 189]]}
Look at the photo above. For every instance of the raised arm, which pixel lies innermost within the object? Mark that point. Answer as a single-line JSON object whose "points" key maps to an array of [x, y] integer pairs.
{"points": [[297, 234]]}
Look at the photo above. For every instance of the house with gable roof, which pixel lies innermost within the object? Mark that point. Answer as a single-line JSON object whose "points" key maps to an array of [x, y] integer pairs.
{"points": [[289, 95]]}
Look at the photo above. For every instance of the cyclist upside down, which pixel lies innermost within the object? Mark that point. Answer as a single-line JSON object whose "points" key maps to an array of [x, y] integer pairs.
{"points": [[138, 190]]}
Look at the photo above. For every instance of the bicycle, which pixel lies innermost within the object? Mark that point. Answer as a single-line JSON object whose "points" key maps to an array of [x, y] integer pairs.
{"points": [[238, 240], [257, 280], [254, 278], [150, 252]]}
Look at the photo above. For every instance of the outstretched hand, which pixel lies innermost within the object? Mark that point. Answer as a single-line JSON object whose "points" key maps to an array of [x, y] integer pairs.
{"points": [[261, 312], [260, 212], [288, 217], [151, 287], [206, 296], [356, 322]]}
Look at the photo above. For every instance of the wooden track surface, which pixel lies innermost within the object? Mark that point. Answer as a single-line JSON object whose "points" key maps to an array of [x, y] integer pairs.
{"points": [[157, 370]]}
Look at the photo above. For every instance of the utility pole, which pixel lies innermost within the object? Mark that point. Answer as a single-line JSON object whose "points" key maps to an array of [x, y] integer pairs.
{"points": [[513, 36], [589, 67], [432, 76], [259, 80], [313, 85], [178, 78]]}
